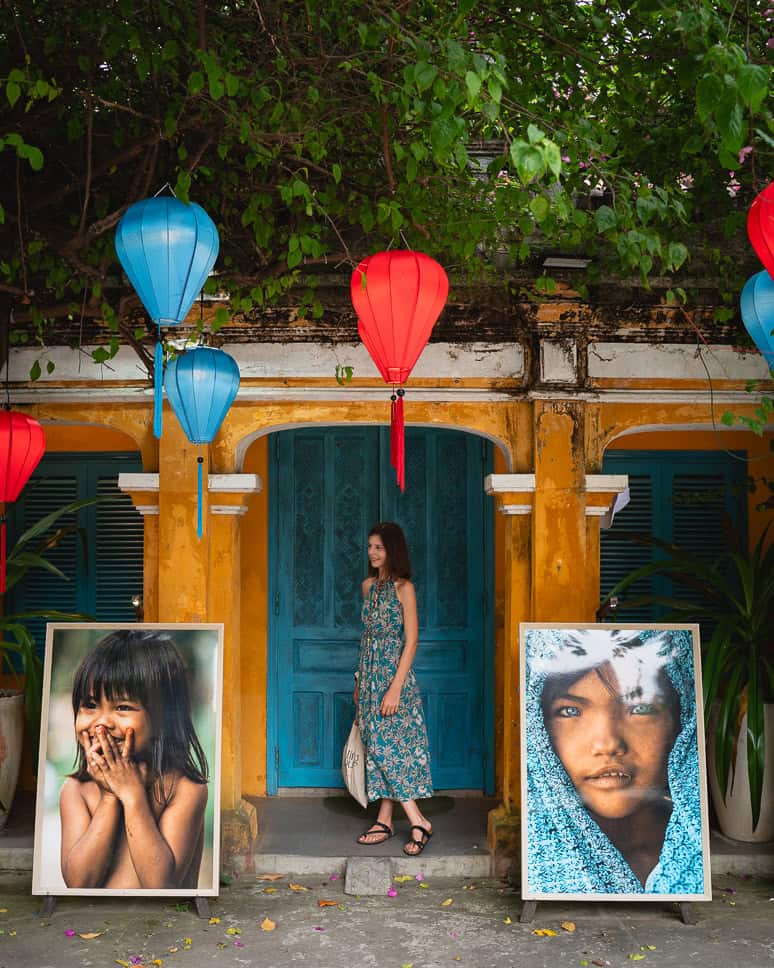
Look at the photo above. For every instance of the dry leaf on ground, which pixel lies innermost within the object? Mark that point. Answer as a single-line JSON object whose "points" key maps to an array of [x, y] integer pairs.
{"points": [[268, 925]]}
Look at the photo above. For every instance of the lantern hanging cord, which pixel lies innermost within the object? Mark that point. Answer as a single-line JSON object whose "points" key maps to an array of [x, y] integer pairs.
{"points": [[163, 187]]}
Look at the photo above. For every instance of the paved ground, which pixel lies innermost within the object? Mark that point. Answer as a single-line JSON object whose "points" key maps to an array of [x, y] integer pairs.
{"points": [[448, 922]]}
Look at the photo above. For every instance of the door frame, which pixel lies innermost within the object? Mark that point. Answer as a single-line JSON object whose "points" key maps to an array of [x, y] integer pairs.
{"points": [[272, 613]]}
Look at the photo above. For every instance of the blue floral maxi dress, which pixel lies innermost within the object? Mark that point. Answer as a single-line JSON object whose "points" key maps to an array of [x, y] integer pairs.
{"points": [[397, 752]]}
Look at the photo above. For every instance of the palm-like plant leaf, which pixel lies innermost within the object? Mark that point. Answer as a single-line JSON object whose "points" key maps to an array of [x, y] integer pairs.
{"points": [[737, 599]]}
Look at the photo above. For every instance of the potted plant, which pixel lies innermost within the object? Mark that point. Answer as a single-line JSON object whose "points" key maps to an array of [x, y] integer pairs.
{"points": [[28, 552], [736, 600]]}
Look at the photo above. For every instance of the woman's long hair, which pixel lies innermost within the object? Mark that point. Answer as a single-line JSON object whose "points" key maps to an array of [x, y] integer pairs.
{"points": [[394, 541], [145, 666]]}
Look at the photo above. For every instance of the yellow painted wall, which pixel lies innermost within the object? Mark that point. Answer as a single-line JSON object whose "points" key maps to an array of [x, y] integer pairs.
{"points": [[61, 438]]}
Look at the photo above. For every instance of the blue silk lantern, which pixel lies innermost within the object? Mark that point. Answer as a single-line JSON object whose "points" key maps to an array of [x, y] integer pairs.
{"points": [[757, 306], [201, 386], [167, 249]]}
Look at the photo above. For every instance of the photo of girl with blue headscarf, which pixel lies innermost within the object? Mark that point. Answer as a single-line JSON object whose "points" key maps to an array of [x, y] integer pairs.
{"points": [[614, 785]]}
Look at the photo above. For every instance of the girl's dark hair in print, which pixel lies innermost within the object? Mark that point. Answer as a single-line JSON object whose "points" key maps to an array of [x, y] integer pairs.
{"points": [[145, 666], [394, 541]]}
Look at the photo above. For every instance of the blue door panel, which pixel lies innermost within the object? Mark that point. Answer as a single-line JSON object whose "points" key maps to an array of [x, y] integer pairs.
{"points": [[330, 485]]}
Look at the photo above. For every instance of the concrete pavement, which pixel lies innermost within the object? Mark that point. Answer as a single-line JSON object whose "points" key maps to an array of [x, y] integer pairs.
{"points": [[429, 923]]}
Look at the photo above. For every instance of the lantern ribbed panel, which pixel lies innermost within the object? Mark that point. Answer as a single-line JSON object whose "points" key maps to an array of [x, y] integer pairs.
{"points": [[167, 250], [757, 307], [201, 386], [22, 444], [760, 227], [397, 307]]}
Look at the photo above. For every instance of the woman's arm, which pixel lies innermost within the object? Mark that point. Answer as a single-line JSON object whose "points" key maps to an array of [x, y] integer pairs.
{"points": [[88, 841], [408, 599]]}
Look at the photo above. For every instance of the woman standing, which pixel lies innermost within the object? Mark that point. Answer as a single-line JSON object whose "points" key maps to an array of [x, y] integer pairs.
{"points": [[386, 694]]}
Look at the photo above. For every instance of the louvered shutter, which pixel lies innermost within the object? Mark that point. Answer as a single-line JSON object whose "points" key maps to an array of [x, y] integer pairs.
{"points": [[118, 554], [619, 556], [105, 575], [690, 499], [42, 589]]}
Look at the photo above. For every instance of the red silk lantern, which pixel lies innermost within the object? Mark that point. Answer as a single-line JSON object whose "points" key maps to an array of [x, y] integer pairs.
{"points": [[760, 227], [398, 296], [22, 443]]}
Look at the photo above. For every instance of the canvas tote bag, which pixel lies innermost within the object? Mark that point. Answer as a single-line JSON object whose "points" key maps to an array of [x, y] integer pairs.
{"points": [[353, 765]]}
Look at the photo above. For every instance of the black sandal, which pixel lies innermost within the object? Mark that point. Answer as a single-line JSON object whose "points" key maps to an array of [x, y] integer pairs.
{"points": [[425, 834], [386, 831]]}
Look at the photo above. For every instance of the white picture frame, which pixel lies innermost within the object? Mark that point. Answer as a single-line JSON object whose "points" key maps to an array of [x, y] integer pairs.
{"points": [[192, 660], [613, 771]]}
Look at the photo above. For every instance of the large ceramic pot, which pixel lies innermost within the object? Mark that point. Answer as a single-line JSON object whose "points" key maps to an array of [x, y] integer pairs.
{"points": [[11, 742], [735, 815]]}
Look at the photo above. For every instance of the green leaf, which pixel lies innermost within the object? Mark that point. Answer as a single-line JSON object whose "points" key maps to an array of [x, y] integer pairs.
{"points": [[553, 157], [35, 370], [534, 134], [539, 207], [708, 92], [528, 160], [12, 92], [232, 85], [33, 155], [424, 75], [50, 367], [195, 82], [473, 84], [753, 83], [495, 89], [605, 218], [336, 169], [677, 253], [730, 123]]}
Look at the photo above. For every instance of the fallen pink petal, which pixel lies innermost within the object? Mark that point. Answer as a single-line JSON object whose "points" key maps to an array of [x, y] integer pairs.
{"points": [[70, 933]]}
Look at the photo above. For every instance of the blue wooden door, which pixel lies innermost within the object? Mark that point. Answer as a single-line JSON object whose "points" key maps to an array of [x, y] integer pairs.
{"points": [[329, 485]]}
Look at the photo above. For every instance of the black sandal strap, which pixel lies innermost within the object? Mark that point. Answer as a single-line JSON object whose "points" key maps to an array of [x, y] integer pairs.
{"points": [[383, 828], [427, 834]]}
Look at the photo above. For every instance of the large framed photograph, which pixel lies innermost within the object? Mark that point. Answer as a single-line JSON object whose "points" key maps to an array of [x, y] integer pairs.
{"points": [[128, 796], [614, 791]]}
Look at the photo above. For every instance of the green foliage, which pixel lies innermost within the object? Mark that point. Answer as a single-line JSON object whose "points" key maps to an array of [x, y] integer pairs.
{"points": [[315, 137], [28, 553], [737, 591]]}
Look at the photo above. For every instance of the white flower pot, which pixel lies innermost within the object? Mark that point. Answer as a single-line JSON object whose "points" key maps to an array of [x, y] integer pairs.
{"points": [[735, 815], [11, 742]]}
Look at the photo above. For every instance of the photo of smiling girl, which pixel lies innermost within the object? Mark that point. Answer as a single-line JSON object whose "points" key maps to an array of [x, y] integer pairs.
{"points": [[613, 774], [134, 810]]}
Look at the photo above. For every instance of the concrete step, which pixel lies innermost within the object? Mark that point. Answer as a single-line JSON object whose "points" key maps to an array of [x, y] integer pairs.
{"points": [[429, 864]]}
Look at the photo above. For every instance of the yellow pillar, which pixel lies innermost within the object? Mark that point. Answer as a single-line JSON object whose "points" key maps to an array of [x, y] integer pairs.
{"points": [[559, 520], [514, 498], [229, 494], [602, 494], [183, 557]]}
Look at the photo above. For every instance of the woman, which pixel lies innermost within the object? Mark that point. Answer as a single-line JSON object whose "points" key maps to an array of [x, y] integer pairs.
{"points": [[612, 763], [386, 693]]}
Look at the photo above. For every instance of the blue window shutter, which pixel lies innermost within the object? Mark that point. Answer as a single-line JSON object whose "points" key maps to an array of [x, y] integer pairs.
{"points": [[118, 554], [41, 589], [689, 498], [105, 574]]}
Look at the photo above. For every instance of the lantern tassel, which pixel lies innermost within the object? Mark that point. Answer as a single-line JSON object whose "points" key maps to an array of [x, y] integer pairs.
{"points": [[200, 488], [158, 383], [397, 439], [2, 555]]}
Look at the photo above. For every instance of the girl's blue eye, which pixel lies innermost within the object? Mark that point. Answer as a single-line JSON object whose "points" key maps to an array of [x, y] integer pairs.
{"points": [[567, 712], [643, 709]]}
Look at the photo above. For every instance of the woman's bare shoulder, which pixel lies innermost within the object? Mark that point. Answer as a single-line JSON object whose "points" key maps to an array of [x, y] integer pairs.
{"points": [[366, 586], [404, 588]]}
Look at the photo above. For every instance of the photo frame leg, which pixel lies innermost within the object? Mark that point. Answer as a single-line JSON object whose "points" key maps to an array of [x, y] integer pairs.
{"points": [[202, 907], [687, 912], [528, 910], [47, 907]]}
